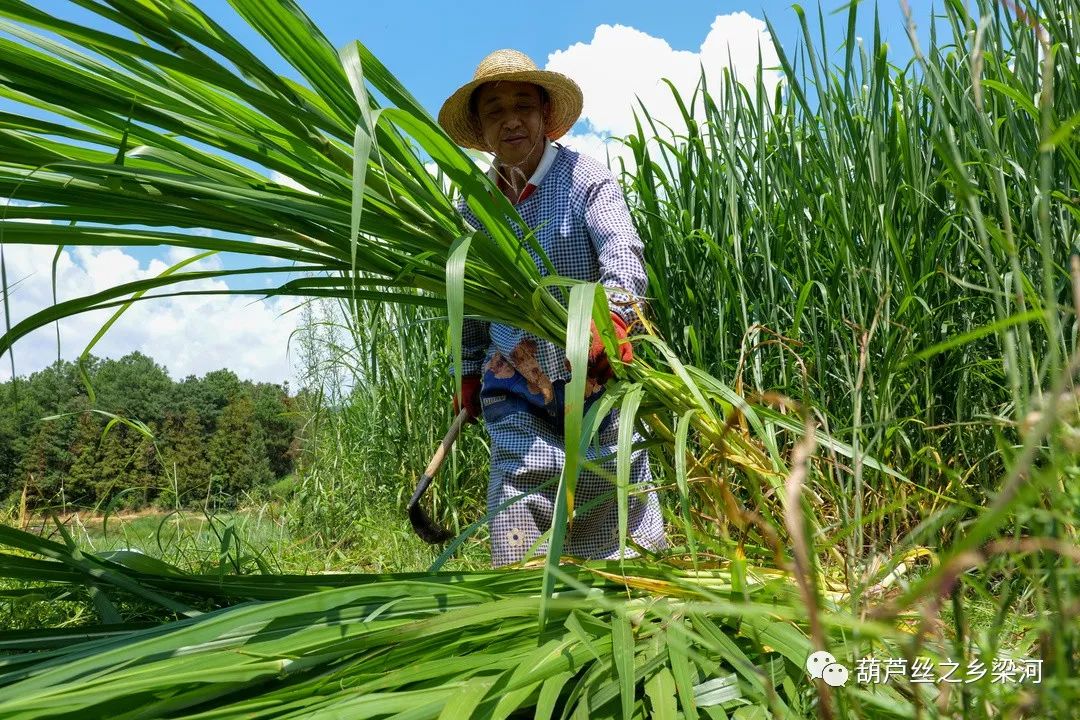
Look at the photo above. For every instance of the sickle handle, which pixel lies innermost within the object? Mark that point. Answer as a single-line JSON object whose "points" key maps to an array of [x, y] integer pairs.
{"points": [[440, 455]]}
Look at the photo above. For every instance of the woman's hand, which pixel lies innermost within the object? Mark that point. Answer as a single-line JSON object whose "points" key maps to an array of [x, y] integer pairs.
{"points": [[599, 365], [470, 391]]}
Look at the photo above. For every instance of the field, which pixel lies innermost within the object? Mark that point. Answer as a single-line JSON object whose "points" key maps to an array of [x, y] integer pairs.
{"points": [[855, 376], [255, 540]]}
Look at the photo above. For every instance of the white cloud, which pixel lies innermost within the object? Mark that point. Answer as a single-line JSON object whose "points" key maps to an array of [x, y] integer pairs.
{"points": [[283, 179], [433, 170], [188, 335], [605, 148], [174, 255], [622, 65]]}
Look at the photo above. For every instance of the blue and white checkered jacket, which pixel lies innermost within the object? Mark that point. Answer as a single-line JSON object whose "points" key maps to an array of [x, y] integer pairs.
{"points": [[586, 230]]}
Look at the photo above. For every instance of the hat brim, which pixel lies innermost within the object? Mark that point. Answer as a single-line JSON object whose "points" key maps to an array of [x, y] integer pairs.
{"points": [[564, 96]]}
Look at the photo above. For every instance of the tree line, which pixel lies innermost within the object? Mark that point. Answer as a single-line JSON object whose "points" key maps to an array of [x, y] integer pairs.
{"points": [[124, 433]]}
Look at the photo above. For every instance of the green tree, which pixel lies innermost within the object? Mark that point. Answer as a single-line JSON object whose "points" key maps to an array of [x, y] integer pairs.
{"points": [[114, 471], [80, 483], [33, 469], [133, 386], [186, 460], [144, 479], [68, 459], [207, 395], [24, 444], [238, 452], [277, 415], [10, 434]]}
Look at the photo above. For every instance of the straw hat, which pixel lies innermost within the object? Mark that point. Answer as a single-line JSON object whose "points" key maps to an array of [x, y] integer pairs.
{"points": [[564, 96]]}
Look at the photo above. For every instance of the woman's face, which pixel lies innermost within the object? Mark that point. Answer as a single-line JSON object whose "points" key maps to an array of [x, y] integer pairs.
{"points": [[511, 117]]}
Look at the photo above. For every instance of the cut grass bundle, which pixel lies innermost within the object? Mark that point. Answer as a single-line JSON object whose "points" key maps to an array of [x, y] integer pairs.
{"points": [[633, 641]]}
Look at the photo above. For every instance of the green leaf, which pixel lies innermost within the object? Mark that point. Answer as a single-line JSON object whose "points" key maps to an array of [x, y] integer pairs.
{"points": [[582, 297], [622, 648], [462, 703], [682, 431], [455, 300], [627, 419], [678, 649], [549, 695], [660, 689]]}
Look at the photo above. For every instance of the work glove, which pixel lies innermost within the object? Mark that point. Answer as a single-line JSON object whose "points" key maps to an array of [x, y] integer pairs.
{"points": [[599, 368], [470, 391]]}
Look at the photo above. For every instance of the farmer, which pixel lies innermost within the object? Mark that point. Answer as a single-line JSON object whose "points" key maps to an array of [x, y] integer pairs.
{"points": [[514, 379]]}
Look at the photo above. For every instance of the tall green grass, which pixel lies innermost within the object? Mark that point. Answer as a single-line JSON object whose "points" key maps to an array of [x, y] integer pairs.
{"points": [[886, 245], [382, 413]]}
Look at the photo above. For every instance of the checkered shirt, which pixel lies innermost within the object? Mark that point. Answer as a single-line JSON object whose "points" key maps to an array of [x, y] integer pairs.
{"points": [[527, 452], [586, 231]]}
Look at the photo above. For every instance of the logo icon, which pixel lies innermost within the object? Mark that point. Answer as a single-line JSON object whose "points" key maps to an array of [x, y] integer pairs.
{"points": [[817, 663], [835, 675], [823, 666]]}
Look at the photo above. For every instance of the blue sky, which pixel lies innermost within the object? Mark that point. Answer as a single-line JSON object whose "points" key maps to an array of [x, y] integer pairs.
{"points": [[615, 49]]}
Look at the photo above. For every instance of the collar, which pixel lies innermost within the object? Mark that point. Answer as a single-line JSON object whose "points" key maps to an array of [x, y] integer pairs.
{"points": [[546, 161]]}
